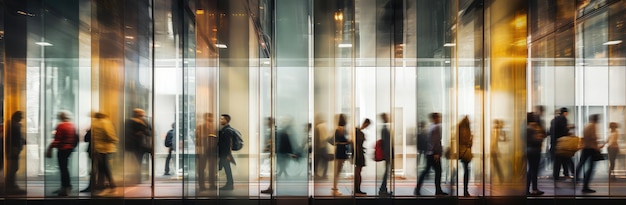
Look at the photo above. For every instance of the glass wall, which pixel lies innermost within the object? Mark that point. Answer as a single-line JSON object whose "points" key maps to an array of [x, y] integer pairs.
{"points": [[155, 89]]}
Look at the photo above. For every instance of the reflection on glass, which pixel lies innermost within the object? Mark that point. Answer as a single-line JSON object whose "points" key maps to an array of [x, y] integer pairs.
{"points": [[206, 153], [15, 142]]}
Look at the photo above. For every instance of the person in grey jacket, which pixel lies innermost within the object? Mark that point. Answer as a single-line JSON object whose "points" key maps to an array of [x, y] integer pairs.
{"points": [[433, 156]]}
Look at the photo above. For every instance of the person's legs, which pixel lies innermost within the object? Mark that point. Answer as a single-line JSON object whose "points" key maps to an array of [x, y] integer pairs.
{"points": [[357, 179], [139, 171], [324, 163], [229, 174], [587, 154], [533, 171], [383, 186], [106, 168], [167, 161], [612, 156], [430, 160], [466, 174], [570, 167], [338, 167], [63, 159], [12, 167], [200, 170], [437, 167], [100, 160], [583, 159], [496, 167], [556, 167], [212, 158]]}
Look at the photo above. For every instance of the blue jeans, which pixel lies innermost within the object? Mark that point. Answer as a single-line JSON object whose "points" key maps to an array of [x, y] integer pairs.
{"points": [[229, 172]]}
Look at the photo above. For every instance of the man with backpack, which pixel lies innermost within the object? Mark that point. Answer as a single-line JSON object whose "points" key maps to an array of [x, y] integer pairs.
{"points": [[169, 138], [226, 138]]}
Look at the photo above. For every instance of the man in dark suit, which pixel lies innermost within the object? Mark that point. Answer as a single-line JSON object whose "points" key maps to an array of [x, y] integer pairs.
{"points": [[558, 129]]}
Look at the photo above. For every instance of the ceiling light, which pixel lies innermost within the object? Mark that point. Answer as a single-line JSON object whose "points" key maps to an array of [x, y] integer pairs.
{"points": [[345, 45], [608, 43], [221, 45], [449, 44], [42, 43]]}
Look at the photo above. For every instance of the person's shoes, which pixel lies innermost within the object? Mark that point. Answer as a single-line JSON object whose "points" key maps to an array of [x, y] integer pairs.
{"points": [[336, 192], [416, 192], [466, 194], [166, 174], [267, 191], [107, 192], [227, 187], [384, 193], [64, 191], [57, 191], [61, 190], [441, 193], [360, 193], [535, 193], [86, 190], [588, 190]]}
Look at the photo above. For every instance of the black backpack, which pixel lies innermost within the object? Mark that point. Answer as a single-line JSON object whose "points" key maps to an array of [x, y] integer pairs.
{"points": [[237, 140]]}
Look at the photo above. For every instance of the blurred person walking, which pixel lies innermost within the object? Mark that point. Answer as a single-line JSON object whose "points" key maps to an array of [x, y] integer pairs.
{"points": [[559, 128], [590, 153], [15, 145], [612, 148], [321, 156], [105, 140], [206, 152], [388, 155], [138, 140], [169, 143], [534, 140], [465, 151], [341, 143], [65, 141], [497, 135], [433, 156], [359, 157]]}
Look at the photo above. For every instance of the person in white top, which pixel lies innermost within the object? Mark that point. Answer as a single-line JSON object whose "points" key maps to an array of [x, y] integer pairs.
{"points": [[612, 147]]}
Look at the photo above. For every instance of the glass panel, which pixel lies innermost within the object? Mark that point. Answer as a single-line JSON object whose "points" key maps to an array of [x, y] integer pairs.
{"points": [[171, 124], [330, 23], [138, 101], [292, 95], [234, 98], [593, 68], [616, 101], [57, 110], [203, 181], [470, 85], [15, 124], [506, 37]]}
